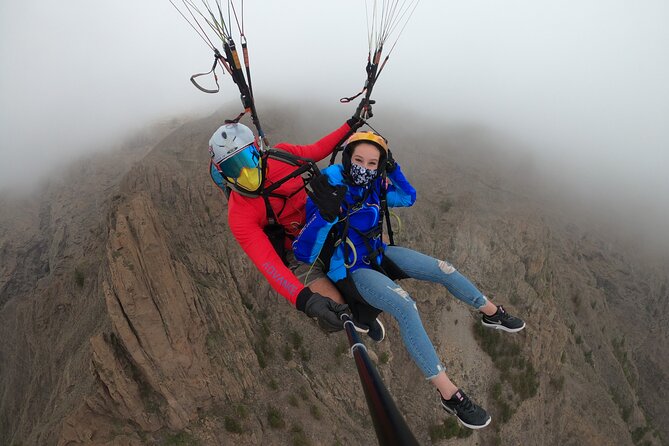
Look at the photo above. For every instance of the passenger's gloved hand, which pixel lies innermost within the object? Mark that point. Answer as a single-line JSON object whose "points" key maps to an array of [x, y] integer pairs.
{"points": [[391, 164], [327, 311], [326, 197]]}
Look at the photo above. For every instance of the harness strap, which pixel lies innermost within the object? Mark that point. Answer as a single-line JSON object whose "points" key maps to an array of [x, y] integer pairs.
{"points": [[345, 225], [274, 229], [271, 216], [304, 165], [386, 212], [372, 254], [235, 120]]}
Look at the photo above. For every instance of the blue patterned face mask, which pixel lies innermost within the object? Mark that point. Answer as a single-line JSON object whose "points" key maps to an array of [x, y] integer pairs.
{"points": [[360, 175]]}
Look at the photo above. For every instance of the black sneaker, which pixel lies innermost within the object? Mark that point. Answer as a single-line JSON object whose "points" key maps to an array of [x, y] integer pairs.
{"points": [[468, 413], [376, 330], [503, 321]]}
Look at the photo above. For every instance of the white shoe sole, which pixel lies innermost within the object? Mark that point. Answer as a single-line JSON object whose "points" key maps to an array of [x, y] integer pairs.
{"points": [[470, 426], [366, 330], [502, 327], [360, 329], [383, 331]]}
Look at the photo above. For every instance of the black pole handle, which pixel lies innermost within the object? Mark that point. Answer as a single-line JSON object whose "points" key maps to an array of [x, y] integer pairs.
{"points": [[391, 428]]}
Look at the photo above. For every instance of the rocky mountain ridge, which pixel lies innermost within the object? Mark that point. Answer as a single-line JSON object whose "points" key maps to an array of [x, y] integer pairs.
{"points": [[130, 316]]}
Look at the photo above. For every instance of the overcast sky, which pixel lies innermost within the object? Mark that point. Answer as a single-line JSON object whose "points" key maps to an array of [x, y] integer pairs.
{"points": [[583, 85]]}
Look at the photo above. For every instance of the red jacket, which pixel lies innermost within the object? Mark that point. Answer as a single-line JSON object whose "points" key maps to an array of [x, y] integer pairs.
{"points": [[248, 216]]}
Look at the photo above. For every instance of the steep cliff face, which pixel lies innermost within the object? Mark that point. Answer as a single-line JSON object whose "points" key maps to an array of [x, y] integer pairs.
{"points": [[52, 245], [595, 311], [153, 365], [132, 317], [191, 341]]}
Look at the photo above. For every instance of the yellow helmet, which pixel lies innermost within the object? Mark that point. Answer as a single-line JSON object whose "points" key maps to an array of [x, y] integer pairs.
{"points": [[369, 137]]}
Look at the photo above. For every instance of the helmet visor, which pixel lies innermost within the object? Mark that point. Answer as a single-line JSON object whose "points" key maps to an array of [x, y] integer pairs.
{"points": [[243, 169], [248, 157]]}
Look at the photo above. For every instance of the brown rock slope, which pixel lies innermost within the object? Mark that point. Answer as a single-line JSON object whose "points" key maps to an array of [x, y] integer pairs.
{"points": [[130, 316]]}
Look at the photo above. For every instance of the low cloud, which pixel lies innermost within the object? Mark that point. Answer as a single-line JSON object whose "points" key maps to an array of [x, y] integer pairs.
{"points": [[580, 90]]}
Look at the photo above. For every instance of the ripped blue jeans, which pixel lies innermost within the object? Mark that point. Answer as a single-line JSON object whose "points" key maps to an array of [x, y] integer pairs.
{"points": [[384, 294]]}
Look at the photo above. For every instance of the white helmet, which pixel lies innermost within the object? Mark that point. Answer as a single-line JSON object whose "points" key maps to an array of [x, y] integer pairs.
{"points": [[234, 153], [229, 140]]}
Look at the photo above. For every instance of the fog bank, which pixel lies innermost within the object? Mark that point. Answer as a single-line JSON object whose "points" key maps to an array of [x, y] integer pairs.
{"points": [[579, 90]]}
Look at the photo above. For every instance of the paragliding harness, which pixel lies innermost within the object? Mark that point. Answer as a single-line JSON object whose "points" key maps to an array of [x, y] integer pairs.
{"points": [[304, 168], [363, 313], [274, 230], [230, 62]]}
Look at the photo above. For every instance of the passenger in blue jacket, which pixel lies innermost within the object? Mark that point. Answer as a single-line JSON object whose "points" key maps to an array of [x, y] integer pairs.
{"points": [[344, 216]]}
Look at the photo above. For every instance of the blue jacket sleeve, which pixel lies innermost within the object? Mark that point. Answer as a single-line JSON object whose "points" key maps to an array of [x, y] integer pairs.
{"points": [[400, 193], [308, 244]]}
